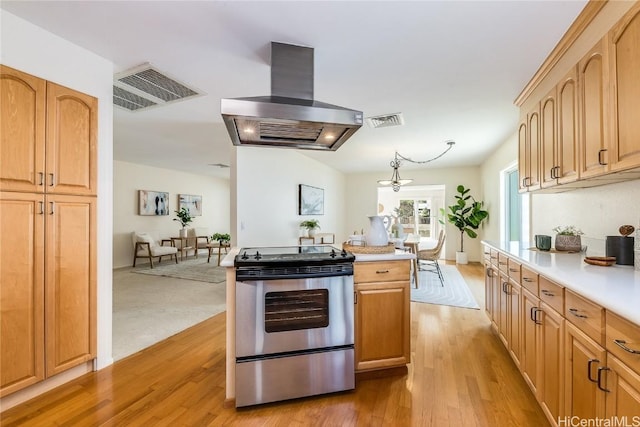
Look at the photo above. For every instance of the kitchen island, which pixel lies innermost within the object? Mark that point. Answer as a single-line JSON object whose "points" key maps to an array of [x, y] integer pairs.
{"points": [[382, 318]]}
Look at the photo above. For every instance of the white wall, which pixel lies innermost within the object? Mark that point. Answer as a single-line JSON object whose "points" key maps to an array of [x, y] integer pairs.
{"points": [[31, 49], [130, 177], [505, 155], [597, 211], [266, 182], [362, 201]]}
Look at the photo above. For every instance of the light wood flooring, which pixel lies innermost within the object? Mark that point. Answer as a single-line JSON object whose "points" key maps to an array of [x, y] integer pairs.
{"points": [[460, 375]]}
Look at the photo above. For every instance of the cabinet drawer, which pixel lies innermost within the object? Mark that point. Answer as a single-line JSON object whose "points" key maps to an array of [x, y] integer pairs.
{"points": [[552, 294], [622, 333], [515, 269], [503, 263], [381, 271], [586, 315], [493, 255], [530, 280]]}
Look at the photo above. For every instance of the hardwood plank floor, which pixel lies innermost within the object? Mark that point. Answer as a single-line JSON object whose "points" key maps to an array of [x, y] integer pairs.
{"points": [[460, 375]]}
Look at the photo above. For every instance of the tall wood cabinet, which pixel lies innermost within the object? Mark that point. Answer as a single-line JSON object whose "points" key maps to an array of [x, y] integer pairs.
{"points": [[624, 52], [48, 184], [382, 314]]}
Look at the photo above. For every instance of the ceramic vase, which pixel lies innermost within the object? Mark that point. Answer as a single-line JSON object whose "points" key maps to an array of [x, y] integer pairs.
{"points": [[462, 258], [377, 234], [183, 232], [568, 243]]}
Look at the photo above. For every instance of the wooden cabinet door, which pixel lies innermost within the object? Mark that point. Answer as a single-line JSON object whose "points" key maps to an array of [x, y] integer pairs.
{"points": [[624, 150], [593, 81], [70, 265], [529, 340], [502, 316], [623, 398], [548, 140], [523, 158], [567, 112], [22, 131], [489, 290], [551, 358], [71, 141], [515, 318], [583, 357], [21, 291], [533, 149], [382, 325]]}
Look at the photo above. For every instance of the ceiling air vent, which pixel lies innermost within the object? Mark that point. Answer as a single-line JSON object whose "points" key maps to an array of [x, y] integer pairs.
{"points": [[145, 87], [385, 120]]}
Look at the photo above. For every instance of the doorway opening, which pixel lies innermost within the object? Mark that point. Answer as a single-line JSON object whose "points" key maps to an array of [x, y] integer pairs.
{"points": [[417, 209]]}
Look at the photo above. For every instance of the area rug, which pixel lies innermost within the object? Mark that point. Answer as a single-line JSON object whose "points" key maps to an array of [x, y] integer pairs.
{"points": [[455, 291], [192, 269]]}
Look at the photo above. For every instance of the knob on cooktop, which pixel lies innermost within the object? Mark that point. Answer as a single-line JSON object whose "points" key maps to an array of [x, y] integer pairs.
{"points": [[244, 255], [333, 253], [257, 255], [343, 253]]}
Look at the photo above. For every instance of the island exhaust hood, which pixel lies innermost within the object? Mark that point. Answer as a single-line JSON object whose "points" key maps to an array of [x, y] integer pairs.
{"points": [[289, 117]]}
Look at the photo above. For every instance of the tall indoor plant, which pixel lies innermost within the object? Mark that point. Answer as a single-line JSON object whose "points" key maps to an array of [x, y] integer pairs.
{"points": [[467, 215]]}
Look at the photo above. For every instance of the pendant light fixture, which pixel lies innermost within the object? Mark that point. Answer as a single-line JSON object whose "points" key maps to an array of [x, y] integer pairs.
{"points": [[395, 182]]}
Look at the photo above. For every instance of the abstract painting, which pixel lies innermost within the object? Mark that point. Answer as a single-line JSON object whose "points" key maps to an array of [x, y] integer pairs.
{"points": [[153, 202], [311, 200], [191, 202]]}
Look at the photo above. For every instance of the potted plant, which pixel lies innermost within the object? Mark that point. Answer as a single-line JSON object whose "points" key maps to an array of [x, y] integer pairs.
{"points": [[310, 225], [184, 218], [467, 215], [222, 238], [568, 238]]}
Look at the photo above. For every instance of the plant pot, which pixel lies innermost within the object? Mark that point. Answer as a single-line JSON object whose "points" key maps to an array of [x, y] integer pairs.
{"points": [[568, 243], [312, 232], [462, 258], [183, 232]]}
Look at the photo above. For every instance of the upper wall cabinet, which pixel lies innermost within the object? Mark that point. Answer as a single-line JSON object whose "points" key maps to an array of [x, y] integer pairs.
{"points": [[624, 50], [593, 76], [588, 122], [48, 136]]}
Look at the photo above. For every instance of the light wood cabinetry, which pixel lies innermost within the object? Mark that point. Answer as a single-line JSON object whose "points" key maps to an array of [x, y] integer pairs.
{"points": [[48, 136], [48, 184], [584, 358], [587, 123], [624, 50], [382, 314], [593, 78], [579, 359]]}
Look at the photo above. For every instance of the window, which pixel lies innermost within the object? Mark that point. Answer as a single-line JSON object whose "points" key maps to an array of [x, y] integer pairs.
{"points": [[515, 222]]}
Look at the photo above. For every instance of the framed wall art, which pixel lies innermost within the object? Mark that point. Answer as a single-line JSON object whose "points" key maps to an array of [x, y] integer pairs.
{"points": [[310, 200], [153, 202], [192, 203]]}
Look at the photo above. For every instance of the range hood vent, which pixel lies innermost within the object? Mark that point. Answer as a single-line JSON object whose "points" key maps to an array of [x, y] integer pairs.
{"points": [[290, 117], [145, 86]]}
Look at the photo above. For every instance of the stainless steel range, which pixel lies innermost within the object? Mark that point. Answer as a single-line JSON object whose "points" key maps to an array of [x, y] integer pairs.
{"points": [[294, 323]]}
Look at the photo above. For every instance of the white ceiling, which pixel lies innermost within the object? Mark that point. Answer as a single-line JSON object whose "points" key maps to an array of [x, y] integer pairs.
{"points": [[452, 68]]}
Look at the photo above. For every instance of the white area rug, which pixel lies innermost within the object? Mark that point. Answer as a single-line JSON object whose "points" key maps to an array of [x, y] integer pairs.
{"points": [[192, 269], [455, 291], [148, 309]]}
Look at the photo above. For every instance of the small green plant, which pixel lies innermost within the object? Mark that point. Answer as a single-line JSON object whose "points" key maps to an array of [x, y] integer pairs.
{"points": [[467, 218], [221, 237], [184, 217], [310, 224], [568, 230]]}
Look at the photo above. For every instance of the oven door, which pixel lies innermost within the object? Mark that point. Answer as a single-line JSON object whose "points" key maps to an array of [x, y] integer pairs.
{"points": [[288, 315]]}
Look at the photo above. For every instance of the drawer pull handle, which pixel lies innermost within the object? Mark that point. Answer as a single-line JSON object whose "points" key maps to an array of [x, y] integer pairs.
{"points": [[534, 315], [41, 178], [381, 271], [489, 272], [589, 370], [52, 180], [527, 279], [547, 293], [574, 311], [41, 208], [504, 287], [600, 161], [621, 344], [513, 269], [600, 369]]}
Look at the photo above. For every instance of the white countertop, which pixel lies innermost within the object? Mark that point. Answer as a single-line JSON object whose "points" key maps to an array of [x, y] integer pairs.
{"points": [[616, 288], [229, 259]]}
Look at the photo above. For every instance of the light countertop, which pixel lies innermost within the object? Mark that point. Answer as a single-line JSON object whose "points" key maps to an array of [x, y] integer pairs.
{"points": [[616, 288]]}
